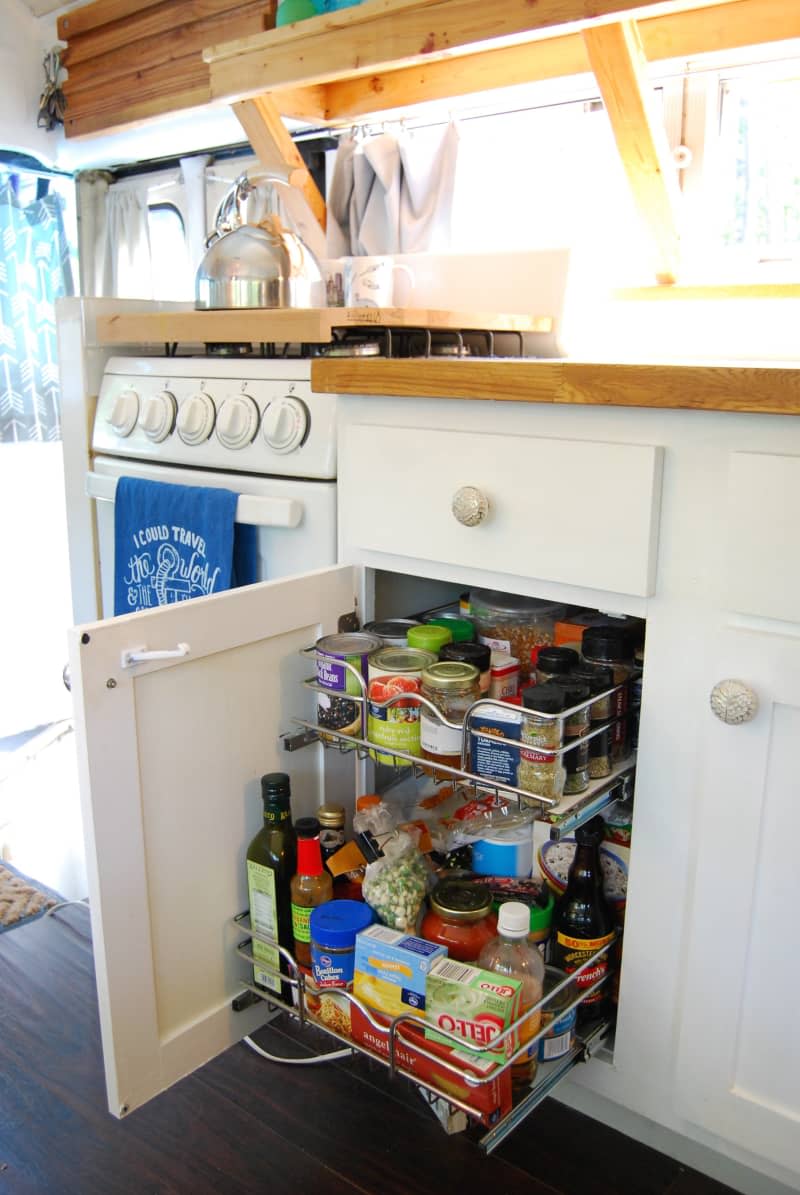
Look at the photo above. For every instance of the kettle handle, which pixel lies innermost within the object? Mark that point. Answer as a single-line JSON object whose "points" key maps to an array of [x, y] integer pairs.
{"points": [[229, 212]]}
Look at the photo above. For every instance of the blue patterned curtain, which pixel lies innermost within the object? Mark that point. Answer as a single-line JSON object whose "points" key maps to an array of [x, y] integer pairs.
{"points": [[34, 271]]}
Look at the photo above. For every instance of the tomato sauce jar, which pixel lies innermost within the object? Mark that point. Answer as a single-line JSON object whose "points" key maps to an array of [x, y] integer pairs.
{"points": [[460, 917]]}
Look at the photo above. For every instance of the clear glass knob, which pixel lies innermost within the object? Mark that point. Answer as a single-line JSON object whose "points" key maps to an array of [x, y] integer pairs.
{"points": [[734, 702], [470, 506]]}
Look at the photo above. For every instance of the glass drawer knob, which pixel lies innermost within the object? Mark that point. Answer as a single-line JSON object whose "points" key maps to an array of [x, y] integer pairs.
{"points": [[470, 506], [734, 702]]}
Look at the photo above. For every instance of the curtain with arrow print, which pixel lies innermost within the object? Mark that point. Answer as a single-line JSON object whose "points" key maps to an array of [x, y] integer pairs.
{"points": [[34, 271]]}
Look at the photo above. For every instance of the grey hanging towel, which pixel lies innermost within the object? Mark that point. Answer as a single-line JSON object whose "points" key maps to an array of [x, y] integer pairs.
{"points": [[377, 179], [340, 198], [426, 197]]}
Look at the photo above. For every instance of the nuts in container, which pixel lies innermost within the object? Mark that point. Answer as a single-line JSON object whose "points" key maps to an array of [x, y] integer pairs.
{"points": [[514, 624]]}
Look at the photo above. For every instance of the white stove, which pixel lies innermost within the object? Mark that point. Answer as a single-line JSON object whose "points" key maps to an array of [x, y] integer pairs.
{"points": [[248, 425], [255, 415]]}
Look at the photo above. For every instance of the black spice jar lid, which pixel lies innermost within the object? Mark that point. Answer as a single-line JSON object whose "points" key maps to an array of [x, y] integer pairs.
{"points": [[611, 643], [544, 699], [557, 659], [468, 653], [575, 691]]}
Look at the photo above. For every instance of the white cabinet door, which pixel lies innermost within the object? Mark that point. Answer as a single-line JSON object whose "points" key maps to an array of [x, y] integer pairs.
{"points": [[171, 752], [739, 1055]]}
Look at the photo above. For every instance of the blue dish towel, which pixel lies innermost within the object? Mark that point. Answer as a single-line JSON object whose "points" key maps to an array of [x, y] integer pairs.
{"points": [[175, 542]]}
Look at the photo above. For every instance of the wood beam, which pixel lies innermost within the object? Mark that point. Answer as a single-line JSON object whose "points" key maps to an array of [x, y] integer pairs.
{"points": [[275, 149], [380, 34], [674, 35], [617, 59]]}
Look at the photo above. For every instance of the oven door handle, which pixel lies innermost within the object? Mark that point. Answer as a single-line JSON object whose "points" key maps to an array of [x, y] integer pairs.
{"points": [[251, 508]]}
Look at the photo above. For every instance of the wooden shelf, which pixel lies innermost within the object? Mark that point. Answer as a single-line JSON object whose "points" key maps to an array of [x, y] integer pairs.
{"points": [[309, 326], [765, 390]]}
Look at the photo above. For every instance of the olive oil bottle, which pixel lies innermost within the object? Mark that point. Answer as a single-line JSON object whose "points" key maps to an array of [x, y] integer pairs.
{"points": [[271, 863]]}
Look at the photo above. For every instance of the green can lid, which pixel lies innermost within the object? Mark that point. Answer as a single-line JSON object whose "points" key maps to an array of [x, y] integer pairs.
{"points": [[461, 629], [542, 918], [428, 638]]}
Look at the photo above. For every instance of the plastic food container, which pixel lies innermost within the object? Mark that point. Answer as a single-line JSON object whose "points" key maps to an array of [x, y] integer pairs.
{"points": [[333, 927], [513, 624], [506, 854]]}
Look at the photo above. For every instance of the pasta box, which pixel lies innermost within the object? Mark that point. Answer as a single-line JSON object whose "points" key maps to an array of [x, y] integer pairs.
{"points": [[488, 1103], [391, 969]]}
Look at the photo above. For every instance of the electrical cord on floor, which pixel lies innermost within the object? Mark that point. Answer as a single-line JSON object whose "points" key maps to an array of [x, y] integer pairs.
{"points": [[62, 904], [297, 1061]]}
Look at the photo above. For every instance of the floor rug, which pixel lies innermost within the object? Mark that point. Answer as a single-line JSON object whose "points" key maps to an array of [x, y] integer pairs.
{"points": [[22, 899]]}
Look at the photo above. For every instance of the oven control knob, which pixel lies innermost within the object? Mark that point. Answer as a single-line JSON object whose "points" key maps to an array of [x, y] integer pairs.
{"points": [[125, 412], [285, 424], [196, 417], [237, 422], [158, 415]]}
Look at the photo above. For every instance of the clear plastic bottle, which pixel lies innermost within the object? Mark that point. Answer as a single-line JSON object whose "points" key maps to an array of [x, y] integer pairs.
{"points": [[510, 953]]}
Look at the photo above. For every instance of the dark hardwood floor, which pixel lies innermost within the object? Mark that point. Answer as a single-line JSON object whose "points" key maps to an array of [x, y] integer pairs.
{"points": [[242, 1124]]}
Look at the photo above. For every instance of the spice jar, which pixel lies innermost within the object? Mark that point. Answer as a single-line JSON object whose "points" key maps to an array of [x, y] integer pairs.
{"points": [[613, 646], [576, 724], [331, 829], [540, 771], [460, 917], [471, 653], [554, 662], [599, 678], [452, 687]]}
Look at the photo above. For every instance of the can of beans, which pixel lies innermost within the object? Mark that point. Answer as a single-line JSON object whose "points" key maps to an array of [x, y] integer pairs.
{"points": [[560, 1036], [392, 671], [334, 653]]}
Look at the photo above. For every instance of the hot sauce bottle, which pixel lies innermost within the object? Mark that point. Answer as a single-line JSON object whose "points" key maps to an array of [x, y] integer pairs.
{"points": [[583, 922], [311, 885]]}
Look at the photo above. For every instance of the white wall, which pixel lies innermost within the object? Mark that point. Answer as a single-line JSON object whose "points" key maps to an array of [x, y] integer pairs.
{"points": [[24, 42]]}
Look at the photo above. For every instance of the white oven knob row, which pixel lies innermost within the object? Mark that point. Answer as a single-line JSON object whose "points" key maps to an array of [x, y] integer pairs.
{"points": [[196, 419], [158, 415], [237, 421], [125, 412], [285, 424]]}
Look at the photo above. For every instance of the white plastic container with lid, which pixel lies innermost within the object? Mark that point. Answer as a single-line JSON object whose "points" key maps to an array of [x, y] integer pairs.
{"points": [[513, 624]]}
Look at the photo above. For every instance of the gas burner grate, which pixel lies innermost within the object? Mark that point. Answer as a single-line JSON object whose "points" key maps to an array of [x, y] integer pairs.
{"points": [[375, 341]]}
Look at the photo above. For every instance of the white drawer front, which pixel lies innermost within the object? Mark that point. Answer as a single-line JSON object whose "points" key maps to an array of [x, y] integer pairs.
{"points": [[572, 511]]}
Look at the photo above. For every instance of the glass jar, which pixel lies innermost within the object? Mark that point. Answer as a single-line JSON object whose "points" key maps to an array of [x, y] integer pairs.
{"points": [[452, 687], [599, 678], [576, 724], [554, 662], [540, 773], [613, 646], [460, 917], [471, 653], [513, 624], [331, 829]]}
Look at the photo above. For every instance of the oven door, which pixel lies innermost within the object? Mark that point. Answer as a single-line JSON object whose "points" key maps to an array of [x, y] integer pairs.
{"points": [[296, 520]]}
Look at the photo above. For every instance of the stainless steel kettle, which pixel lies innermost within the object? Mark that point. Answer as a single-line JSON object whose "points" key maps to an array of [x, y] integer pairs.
{"points": [[255, 265]]}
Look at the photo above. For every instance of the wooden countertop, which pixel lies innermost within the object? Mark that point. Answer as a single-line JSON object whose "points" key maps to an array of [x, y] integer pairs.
{"points": [[760, 389]]}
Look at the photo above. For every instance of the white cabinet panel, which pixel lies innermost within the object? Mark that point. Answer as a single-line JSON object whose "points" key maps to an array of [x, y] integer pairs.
{"points": [[170, 754], [579, 512], [739, 1053], [763, 535]]}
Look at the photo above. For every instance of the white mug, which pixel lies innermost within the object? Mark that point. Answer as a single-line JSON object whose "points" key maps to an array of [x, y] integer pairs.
{"points": [[333, 276], [369, 281]]}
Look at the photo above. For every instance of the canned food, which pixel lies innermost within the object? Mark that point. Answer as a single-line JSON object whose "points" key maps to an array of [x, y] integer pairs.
{"points": [[392, 671], [334, 653], [560, 1036], [392, 631]]}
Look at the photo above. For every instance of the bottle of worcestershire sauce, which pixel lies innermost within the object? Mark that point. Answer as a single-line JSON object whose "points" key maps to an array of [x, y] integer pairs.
{"points": [[583, 922]]}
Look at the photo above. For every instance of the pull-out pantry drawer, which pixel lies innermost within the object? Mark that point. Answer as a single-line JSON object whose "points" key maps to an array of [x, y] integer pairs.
{"points": [[577, 512]]}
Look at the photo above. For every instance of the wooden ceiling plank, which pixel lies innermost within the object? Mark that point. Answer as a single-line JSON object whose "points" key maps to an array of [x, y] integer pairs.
{"points": [[392, 33], [148, 52], [91, 16], [674, 35], [275, 150], [617, 59]]}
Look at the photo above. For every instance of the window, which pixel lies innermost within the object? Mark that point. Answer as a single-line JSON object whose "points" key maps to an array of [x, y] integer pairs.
{"points": [[169, 256]]}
